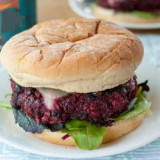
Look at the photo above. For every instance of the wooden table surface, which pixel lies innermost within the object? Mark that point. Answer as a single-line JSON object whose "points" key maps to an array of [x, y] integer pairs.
{"points": [[52, 9]]}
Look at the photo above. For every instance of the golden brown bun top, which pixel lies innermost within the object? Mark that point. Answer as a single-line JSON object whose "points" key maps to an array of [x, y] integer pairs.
{"points": [[74, 55]]}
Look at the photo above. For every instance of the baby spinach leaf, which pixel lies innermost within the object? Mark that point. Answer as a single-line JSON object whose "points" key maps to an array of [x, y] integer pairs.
{"points": [[27, 123], [86, 135]]}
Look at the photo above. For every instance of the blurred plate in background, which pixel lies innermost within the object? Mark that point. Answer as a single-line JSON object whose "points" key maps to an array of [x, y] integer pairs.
{"points": [[83, 9]]}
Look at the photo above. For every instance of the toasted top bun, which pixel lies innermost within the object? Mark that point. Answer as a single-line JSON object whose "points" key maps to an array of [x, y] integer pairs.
{"points": [[119, 129], [124, 17], [74, 55]]}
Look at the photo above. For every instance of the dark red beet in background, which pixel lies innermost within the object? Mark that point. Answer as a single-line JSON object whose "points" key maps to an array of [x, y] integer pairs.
{"points": [[127, 5]]}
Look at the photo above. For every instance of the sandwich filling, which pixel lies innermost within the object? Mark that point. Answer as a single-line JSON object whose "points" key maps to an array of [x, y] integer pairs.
{"points": [[50, 107]]}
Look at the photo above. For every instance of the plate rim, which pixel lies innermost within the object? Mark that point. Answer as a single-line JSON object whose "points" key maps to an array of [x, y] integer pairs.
{"points": [[29, 150]]}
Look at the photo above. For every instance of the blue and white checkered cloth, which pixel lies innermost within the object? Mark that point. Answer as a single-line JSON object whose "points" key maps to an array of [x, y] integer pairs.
{"points": [[149, 152]]}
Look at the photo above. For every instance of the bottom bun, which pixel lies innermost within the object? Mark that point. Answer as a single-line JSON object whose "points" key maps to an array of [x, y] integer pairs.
{"points": [[117, 130], [124, 17]]}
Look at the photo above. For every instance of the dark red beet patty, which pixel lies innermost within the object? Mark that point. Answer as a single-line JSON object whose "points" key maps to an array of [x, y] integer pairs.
{"points": [[126, 5], [97, 107]]}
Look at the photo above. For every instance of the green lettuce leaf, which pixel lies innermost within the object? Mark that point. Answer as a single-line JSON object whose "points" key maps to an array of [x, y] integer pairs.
{"points": [[141, 107], [5, 103], [138, 105], [85, 134], [6, 106], [142, 14]]}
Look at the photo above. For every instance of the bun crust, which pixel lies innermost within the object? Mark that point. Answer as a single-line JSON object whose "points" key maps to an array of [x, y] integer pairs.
{"points": [[114, 132], [73, 55], [123, 17]]}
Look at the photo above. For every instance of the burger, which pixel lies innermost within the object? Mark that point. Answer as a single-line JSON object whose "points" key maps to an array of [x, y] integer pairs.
{"points": [[73, 81], [132, 11]]}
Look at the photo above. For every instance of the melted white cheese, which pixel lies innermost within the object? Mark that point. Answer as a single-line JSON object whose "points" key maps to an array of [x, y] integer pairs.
{"points": [[50, 94]]}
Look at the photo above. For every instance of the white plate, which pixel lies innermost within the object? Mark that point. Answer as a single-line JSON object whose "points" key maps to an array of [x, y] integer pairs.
{"points": [[82, 9], [148, 131]]}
